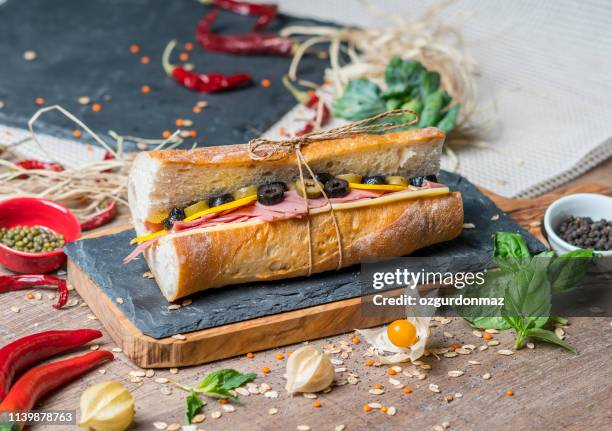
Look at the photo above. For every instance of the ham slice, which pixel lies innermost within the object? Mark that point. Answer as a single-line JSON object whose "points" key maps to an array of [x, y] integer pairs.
{"points": [[183, 225], [139, 249], [431, 185], [292, 204], [353, 195]]}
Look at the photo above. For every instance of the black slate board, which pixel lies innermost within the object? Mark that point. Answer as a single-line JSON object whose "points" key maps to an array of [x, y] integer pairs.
{"points": [[82, 49], [100, 258]]}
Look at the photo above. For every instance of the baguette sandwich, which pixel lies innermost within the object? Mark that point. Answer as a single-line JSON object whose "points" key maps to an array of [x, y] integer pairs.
{"points": [[212, 217]]}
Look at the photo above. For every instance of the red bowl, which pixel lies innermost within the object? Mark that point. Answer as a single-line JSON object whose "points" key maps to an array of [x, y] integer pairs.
{"points": [[36, 212]]}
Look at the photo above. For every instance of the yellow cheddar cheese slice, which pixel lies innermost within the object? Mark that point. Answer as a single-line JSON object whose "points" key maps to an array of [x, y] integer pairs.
{"points": [[224, 207], [381, 187]]}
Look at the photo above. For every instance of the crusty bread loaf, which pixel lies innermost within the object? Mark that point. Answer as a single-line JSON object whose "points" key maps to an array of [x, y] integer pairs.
{"points": [[200, 259], [161, 180]]}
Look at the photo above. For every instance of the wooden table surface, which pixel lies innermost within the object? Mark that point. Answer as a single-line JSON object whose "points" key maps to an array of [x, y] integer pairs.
{"points": [[553, 389]]}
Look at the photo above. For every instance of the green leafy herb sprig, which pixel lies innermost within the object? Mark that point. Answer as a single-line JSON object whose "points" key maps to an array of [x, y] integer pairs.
{"points": [[409, 85], [526, 283], [217, 384]]}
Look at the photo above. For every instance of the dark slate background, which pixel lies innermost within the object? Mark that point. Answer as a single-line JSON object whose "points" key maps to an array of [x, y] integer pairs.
{"points": [[83, 50], [145, 306]]}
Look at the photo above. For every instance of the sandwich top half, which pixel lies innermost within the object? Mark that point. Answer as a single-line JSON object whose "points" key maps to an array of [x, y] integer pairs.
{"points": [[188, 183]]}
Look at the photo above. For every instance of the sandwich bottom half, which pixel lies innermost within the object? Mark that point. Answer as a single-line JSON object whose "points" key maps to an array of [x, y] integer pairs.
{"points": [[201, 259]]}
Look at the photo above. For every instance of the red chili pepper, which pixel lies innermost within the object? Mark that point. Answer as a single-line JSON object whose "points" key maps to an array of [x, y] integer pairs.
{"points": [[37, 164], [107, 156], [10, 283], [309, 100], [41, 380], [265, 11], [27, 351], [100, 218], [207, 83], [242, 44]]}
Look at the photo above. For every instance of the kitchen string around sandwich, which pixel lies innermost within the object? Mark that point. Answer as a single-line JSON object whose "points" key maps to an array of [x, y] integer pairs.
{"points": [[265, 149]]}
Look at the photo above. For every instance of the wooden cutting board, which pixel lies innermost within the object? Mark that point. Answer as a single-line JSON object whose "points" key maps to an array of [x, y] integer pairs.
{"points": [[276, 330]]}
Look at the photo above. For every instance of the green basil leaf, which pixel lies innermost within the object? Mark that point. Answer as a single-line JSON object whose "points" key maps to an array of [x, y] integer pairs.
{"points": [[446, 99], [431, 110], [361, 99], [485, 316], [567, 272], [394, 104], [449, 121], [414, 105], [217, 393], [510, 251], [430, 81], [213, 380], [489, 323], [402, 76], [237, 380], [527, 300], [550, 337], [218, 383], [559, 320], [193, 405]]}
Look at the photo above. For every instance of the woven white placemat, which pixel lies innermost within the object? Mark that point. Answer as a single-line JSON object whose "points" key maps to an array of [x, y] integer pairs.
{"points": [[545, 71]]}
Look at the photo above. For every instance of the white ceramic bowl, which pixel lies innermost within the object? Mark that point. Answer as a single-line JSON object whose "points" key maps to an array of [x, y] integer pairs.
{"points": [[591, 205]]}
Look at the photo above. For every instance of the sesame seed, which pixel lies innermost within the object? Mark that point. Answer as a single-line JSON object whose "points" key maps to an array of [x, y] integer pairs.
{"points": [[29, 55]]}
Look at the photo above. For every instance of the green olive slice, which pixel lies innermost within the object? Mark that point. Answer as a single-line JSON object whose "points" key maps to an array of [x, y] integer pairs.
{"points": [[351, 178], [396, 180], [195, 208], [244, 192], [313, 188]]}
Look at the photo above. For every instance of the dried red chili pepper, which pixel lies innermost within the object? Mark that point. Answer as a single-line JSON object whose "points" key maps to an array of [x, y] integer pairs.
{"points": [[265, 11], [37, 164], [207, 83], [10, 283], [311, 101], [41, 380], [242, 44], [27, 351], [107, 156], [100, 218]]}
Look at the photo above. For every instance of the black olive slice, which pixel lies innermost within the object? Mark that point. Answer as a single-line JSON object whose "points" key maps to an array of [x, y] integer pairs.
{"points": [[323, 177], [336, 188], [175, 214], [215, 201], [374, 179], [271, 193], [417, 181], [282, 184], [432, 178]]}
